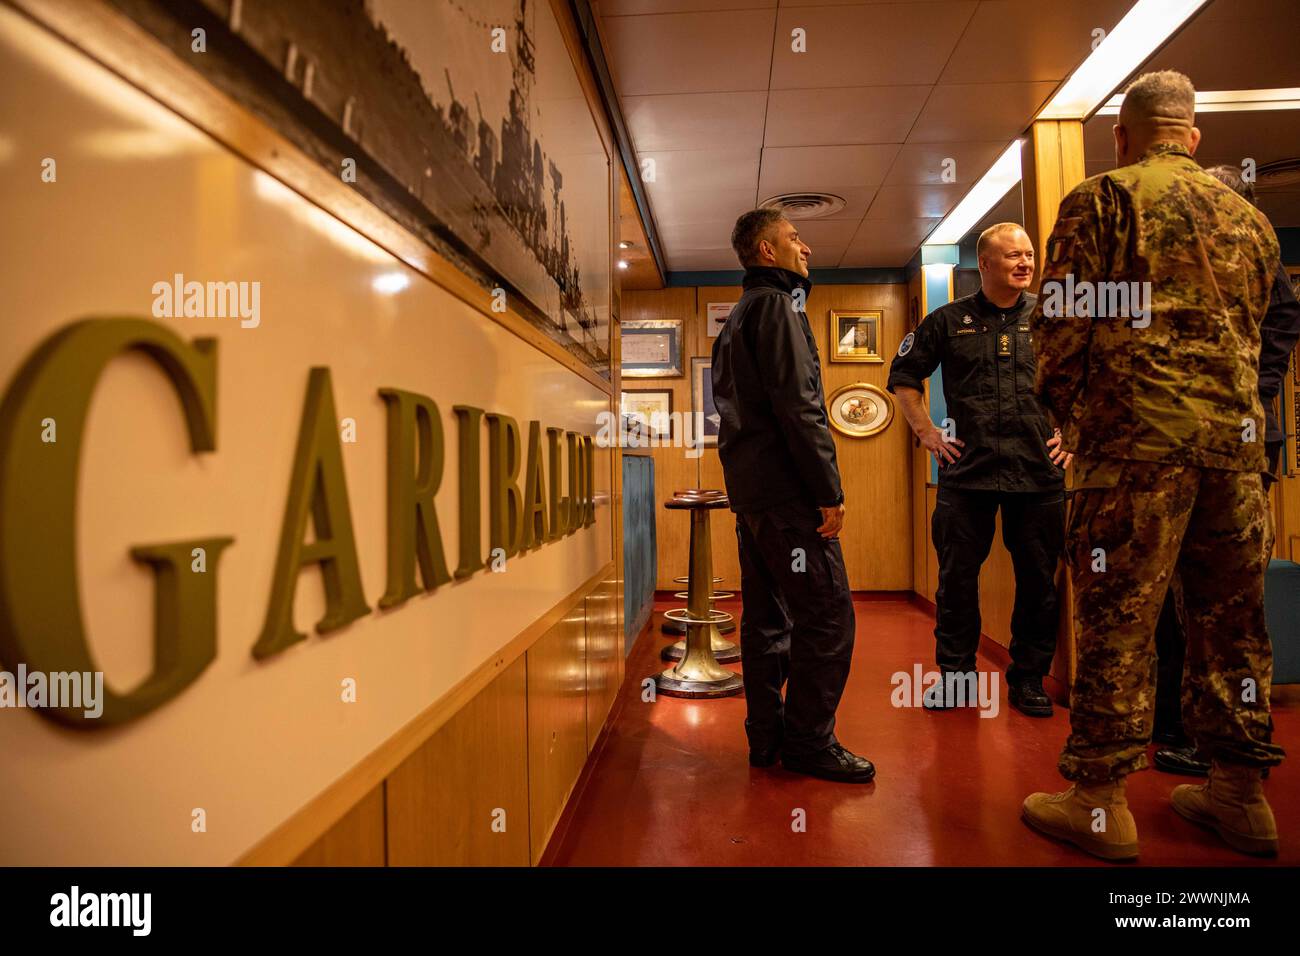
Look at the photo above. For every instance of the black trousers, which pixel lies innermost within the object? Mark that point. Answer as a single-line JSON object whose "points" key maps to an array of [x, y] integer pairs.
{"points": [[796, 626], [1033, 529]]}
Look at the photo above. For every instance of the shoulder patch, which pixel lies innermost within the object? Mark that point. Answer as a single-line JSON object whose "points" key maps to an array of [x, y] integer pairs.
{"points": [[906, 345]]}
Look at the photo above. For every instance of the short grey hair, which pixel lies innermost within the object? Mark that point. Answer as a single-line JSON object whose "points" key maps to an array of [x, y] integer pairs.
{"points": [[751, 228], [1160, 98]]}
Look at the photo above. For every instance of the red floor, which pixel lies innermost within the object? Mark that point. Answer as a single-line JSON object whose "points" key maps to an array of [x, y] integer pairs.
{"points": [[671, 784]]}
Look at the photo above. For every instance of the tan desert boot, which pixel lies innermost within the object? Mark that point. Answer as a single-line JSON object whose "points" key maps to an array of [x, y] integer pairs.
{"points": [[1233, 805], [1094, 817]]}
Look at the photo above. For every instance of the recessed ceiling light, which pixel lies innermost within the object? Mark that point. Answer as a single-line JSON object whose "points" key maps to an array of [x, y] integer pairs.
{"points": [[1228, 101], [625, 244], [622, 263], [1142, 31], [992, 186]]}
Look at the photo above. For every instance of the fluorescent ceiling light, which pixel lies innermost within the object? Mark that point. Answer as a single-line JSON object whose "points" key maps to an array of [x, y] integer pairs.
{"points": [[986, 193], [1147, 25], [1228, 101]]}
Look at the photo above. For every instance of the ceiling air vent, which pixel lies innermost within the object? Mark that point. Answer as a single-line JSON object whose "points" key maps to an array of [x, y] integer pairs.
{"points": [[806, 205]]}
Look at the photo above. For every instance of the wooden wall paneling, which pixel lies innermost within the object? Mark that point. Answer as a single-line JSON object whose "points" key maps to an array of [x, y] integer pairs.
{"points": [[442, 799], [876, 472], [604, 652], [355, 840], [557, 722], [920, 464], [673, 469], [722, 527]]}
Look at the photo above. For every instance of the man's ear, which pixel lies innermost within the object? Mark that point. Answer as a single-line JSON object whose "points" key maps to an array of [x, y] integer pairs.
{"points": [[766, 250], [1121, 140], [1194, 140]]}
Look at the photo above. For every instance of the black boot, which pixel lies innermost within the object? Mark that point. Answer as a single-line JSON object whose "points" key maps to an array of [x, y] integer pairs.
{"points": [[1186, 760], [764, 756], [833, 763], [1026, 695]]}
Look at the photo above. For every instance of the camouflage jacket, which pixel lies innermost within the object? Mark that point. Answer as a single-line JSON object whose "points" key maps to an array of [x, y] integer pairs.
{"points": [[1146, 331]]}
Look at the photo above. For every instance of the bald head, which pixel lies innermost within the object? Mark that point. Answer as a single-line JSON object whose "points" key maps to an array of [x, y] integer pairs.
{"points": [[1157, 108]]}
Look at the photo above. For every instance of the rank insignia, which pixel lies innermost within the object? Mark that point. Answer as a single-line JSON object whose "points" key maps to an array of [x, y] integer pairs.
{"points": [[1004, 345]]}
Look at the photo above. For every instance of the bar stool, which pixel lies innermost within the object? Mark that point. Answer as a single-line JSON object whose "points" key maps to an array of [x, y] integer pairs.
{"points": [[698, 674], [724, 651]]}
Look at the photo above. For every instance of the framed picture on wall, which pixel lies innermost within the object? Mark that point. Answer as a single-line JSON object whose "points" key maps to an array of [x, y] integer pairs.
{"points": [[702, 405], [652, 348], [718, 313], [648, 412], [855, 335]]}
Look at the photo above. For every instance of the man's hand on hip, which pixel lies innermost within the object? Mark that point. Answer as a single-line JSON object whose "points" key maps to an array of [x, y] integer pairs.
{"points": [[832, 521], [939, 446]]}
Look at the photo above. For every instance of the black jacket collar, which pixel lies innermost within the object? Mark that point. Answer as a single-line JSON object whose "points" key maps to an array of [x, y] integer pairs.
{"points": [[774, 277], [988, 307]]}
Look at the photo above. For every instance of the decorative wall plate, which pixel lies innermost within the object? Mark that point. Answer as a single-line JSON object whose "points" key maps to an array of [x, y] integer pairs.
{"points": [[860, 410]]}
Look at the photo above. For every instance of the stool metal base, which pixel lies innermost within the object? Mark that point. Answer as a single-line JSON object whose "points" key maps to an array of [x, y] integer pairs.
{"points": [[677, 629], [724, 652], [671, 686]]}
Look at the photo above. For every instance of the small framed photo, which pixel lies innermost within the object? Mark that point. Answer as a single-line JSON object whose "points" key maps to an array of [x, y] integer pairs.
{"points": [[718, 313], [860, 410], [702, 401], [652, 348], [855, 336], [648, 412]]}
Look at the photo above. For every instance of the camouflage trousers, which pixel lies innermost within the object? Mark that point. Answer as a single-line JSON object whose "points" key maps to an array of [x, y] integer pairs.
{"points": [[1135, 529]]}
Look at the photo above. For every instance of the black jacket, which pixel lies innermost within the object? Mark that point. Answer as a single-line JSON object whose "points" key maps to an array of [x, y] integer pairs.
{"points": [[1278, 334], [774, 439], [988, 382]]}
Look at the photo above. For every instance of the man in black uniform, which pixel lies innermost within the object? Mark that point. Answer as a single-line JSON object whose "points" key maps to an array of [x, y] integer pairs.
{"points": [[783, 482], [996, 451]]}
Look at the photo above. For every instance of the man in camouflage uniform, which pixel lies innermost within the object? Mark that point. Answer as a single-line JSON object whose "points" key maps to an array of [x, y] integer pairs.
{"points": [[1155, 385]]}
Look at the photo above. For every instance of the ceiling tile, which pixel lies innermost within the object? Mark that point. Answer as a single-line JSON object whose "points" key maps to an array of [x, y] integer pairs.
{"points": [[979, 111], [690, 52], [1045, 40], [919, 163], [867, 45], [702, 261], [916, 202], [870, 114], [826, 232], [693, 120], [807, 168], [680, 169], [624, 8], [1236, 45], [682, 206], [901, 231]]}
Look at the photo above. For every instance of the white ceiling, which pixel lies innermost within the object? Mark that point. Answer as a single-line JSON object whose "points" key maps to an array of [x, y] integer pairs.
{"points": [[714, 94]]}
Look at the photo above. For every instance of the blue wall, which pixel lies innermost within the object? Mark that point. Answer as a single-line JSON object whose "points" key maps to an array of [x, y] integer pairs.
{"points": [[639, 545]]}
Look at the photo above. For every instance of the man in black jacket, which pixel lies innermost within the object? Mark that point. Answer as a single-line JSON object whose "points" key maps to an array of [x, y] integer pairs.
{"points": [[998, 453], [783, 482]]}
